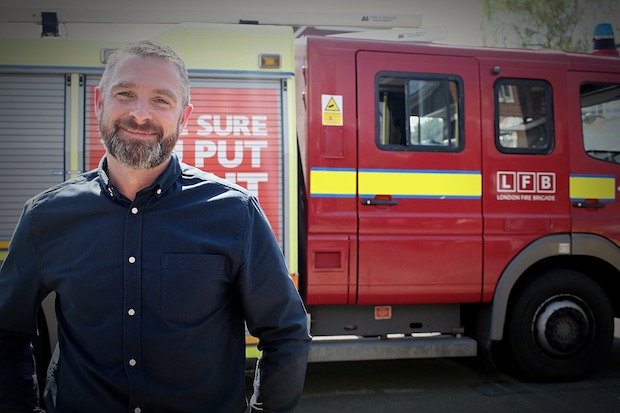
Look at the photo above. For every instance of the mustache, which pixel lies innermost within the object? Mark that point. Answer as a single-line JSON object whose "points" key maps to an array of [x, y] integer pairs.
{"points": [[131, 124]]}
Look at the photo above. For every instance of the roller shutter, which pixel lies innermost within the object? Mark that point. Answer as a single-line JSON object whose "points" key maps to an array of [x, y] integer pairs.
{"points": [[32, 130]]}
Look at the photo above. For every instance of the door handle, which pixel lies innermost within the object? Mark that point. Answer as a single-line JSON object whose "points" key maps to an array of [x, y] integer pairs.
{"points": [[588, 204], [379, 201]]}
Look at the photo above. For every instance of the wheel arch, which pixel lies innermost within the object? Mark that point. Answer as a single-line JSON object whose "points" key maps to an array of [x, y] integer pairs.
{"points": [[591, 254]]}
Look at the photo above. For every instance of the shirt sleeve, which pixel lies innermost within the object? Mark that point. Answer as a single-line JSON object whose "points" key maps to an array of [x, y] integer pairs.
{"points": [[275, 315], [20, 296]]}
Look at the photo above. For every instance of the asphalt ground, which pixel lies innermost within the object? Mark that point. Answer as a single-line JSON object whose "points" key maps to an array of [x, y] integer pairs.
{"points": [[454, 385]]}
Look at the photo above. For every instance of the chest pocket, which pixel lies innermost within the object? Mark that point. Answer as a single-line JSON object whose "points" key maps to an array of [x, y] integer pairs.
{"points": [[193, 286]]}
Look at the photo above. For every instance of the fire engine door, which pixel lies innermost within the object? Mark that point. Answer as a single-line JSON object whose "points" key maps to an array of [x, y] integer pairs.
{"points": [[595, 154], [419, 179]]}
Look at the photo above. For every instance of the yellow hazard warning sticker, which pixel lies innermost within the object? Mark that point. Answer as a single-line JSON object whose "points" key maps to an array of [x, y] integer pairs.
{"points": [[332, 110]]}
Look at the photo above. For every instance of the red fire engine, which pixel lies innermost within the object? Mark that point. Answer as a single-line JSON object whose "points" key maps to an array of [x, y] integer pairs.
{"points": [[461, 190]]}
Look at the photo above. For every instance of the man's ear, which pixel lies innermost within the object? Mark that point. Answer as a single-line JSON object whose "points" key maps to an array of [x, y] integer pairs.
{"points": [[185, 116], [98, 101]]}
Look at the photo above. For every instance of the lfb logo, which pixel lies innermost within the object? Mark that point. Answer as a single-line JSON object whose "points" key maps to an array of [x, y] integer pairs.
{"points": [[526, 182]]}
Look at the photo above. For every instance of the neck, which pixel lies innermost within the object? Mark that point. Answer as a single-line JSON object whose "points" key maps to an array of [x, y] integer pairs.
{"points": [[129, 181]]}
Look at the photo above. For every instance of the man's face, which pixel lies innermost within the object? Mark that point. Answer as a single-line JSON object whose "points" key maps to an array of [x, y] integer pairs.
{"points": [[140, 114]]}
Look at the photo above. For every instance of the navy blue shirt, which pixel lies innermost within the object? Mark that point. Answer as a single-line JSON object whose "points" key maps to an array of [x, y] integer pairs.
{"points": [[151, 298]]}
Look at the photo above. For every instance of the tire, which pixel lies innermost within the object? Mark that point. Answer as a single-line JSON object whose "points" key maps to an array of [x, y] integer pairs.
{"points": [[560, 327]]}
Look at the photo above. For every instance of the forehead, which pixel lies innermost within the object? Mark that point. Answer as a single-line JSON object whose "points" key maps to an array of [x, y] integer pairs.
{"points": [[147, 72]]}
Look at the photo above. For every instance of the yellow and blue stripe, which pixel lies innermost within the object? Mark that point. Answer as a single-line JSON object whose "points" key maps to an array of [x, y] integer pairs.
{"points": [[599, 187], [434, 184], [333, 182]]}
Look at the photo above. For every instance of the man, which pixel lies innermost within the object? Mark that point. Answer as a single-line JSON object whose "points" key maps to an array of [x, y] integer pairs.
{"points": [[156, 265]]}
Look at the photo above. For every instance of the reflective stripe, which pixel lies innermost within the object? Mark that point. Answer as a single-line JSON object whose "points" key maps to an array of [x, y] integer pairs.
{"points": [[421, 184], [398, 183], [600, 187], [332, 182]]}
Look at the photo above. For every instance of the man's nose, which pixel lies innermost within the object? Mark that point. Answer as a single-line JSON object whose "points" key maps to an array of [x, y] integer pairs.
{"points": [[141, 111]]}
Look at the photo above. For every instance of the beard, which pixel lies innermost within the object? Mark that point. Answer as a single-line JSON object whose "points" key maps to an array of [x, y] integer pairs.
{"points": [[135, 153]]}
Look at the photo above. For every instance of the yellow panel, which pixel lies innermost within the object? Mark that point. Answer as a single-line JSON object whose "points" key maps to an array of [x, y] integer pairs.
{"points": [[421, 184], [251, 352], [202, 46], [415, 184], [593, 187], [74, 137], [292, 190], [226, 47], [4, 245], [332, 182]]}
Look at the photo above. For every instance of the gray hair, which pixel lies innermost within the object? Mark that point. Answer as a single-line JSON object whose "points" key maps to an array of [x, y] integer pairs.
{"points": [[147, 48]]}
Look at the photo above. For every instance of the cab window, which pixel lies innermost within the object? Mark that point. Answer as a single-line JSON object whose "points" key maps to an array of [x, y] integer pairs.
{"points": [[419, 112], [600, 120], [523, 116]]}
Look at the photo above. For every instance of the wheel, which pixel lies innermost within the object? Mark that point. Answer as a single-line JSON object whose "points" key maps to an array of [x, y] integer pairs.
{"points": [[560, 327]]}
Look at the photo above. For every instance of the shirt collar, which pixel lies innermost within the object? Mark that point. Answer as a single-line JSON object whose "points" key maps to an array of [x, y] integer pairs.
{"points": [[159, 187]]}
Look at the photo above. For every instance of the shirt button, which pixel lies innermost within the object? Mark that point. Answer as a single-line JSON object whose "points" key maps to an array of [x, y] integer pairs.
{"points": [[137, 410], [134, 210], [132, 362], [131, 312], [158, 191], [132, 260]]}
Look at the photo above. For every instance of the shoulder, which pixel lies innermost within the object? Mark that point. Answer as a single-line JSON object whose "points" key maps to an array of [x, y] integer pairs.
{"points": [[227, 196], [67, 191], [197, 179]]}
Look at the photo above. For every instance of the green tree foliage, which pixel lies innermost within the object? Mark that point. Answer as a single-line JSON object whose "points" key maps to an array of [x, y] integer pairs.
{"points": [[551, 24]]}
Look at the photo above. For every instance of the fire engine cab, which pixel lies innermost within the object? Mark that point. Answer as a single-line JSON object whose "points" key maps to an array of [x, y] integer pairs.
{"points": [[431, 200]]}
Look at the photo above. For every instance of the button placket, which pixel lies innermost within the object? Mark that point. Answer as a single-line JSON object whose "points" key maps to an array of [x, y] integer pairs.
{"points": [[132, 304]]}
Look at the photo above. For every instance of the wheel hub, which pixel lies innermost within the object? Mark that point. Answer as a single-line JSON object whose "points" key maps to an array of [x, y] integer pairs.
{"points": [[562, 328]]}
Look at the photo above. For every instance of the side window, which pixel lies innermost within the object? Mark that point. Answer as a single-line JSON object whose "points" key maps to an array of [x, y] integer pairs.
{"points": [[419, 112], [600, 120], [523, 116]]}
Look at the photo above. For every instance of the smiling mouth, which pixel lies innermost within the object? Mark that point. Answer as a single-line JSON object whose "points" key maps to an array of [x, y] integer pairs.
{"points": [[134, 132], [132, 129]]}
